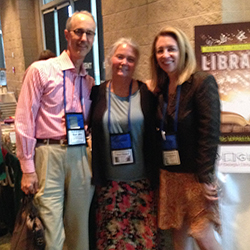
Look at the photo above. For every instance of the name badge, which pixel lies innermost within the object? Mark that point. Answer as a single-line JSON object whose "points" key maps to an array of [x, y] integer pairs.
{"points": [[170, 151], [75, 129], [171, 158], [121, 149]]}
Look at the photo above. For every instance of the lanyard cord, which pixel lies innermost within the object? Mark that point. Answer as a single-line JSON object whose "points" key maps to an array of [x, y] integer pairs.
{"points": [[176, 111], [64, 92], [109, 106]]}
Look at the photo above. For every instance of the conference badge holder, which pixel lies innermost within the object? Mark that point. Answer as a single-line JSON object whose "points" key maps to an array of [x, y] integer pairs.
{"points": [[75, 129], [121, 149], [170, 151]]}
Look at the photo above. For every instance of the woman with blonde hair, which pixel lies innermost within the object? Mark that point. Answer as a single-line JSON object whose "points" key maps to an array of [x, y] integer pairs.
{"points": [[124, 160], [189, 124]]}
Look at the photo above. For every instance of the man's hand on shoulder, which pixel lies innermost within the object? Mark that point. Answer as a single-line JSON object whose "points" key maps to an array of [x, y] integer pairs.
{"points": [[29, 183]]}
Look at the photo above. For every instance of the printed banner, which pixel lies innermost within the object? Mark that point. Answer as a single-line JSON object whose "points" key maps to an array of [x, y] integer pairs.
{"points": [[224, 51]]}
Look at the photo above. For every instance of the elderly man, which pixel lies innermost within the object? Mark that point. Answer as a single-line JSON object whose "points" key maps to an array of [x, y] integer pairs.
{"points": [[51, 114]]}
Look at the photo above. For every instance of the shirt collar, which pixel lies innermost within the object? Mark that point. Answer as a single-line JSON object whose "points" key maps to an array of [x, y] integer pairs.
{"points": [[67, 64]]}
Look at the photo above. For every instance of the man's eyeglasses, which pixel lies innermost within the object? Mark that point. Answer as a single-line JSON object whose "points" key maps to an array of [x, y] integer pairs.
{"points": [[80, 32]]}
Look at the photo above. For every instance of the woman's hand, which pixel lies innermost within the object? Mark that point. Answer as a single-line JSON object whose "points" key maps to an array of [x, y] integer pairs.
{"points": [[211, 191]]}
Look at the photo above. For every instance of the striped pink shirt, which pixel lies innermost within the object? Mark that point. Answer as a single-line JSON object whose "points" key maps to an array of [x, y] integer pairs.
{"points": [[40, 109]]}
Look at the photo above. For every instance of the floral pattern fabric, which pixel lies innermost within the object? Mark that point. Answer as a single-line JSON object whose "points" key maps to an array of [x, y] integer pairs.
{"points": [[126, 216]]}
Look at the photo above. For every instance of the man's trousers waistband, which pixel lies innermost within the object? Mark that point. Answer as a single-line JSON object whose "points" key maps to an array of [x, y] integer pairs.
{"points": [[62, 142]]}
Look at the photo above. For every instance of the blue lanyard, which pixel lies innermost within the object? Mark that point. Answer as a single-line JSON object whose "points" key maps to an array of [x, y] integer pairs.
{"points": [[109, 106], [176, 110], [64, 92]]}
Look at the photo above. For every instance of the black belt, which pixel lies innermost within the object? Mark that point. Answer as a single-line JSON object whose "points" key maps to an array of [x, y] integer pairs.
{"points": [[62, 142]]}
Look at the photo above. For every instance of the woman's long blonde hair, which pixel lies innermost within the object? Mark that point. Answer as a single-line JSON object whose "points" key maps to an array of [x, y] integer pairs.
{"points": [[187, 62]]}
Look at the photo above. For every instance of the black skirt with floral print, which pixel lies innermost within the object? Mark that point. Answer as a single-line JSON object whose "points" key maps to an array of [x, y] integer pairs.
{"points": [[126, 216]]}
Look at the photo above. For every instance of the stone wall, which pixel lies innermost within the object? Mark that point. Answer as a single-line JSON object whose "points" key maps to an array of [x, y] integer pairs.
{"points": [[235, 11], [19, 39], [142, 20], [139, 19]]}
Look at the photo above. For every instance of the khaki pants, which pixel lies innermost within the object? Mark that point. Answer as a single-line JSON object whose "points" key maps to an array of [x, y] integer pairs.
{"points": [[64, 195]]}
